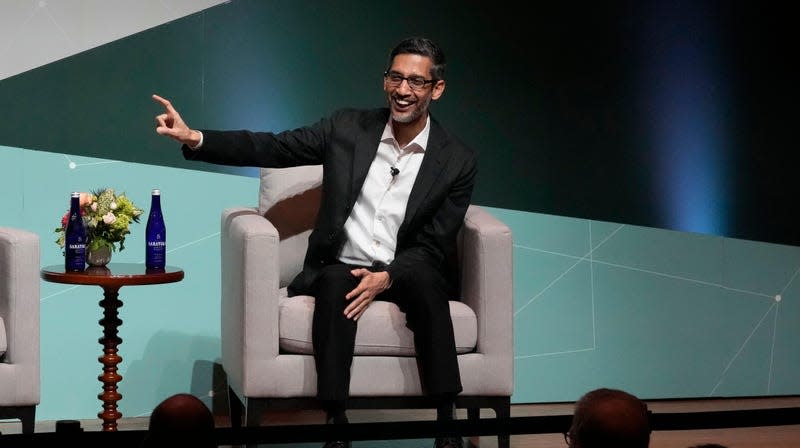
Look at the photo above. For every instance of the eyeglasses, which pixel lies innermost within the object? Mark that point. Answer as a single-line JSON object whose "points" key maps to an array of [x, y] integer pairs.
{"points": [[568, 439], [394, 79]]}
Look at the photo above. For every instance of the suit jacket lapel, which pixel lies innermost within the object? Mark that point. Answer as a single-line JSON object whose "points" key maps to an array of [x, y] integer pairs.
{"points": [[436, 156], [363, 154]]}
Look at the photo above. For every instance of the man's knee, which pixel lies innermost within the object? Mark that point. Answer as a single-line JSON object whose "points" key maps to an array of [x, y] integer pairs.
{"points": [[332, 284], [334, 275], [427, 284], [336, 270]]}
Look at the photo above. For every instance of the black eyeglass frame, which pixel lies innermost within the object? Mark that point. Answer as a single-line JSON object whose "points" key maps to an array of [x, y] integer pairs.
{"points": [[396, 79]]}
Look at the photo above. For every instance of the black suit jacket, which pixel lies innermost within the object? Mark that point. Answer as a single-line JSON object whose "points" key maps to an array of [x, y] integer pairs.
{"points": [[345, 144]]}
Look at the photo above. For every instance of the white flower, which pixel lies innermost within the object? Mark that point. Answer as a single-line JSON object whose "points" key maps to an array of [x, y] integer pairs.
{"points": [[109, 218], [94, 206], [113, 206]]}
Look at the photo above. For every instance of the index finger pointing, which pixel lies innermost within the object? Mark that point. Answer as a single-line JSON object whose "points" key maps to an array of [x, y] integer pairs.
{"points": [[164, 102]]}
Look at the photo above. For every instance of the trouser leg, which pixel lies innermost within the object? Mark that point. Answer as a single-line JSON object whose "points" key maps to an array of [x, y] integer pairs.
{"points": [[425, 300], [333, 335]]}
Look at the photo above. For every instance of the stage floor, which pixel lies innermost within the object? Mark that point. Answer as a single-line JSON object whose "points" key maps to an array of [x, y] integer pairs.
{"points": [[751, 437]]}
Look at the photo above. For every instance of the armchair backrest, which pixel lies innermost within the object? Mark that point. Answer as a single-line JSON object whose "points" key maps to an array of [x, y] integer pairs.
{"points": [[289, 198]]}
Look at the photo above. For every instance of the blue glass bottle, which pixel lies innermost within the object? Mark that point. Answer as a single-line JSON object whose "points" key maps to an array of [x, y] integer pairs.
{"points": [[156, 251], [75, 237]]}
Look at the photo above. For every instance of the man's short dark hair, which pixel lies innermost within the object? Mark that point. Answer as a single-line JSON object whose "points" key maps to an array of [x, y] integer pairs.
{"points": [[423, 47]]}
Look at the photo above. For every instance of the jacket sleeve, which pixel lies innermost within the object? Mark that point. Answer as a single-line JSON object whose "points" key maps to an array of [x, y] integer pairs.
{"points": [[301, 146]]}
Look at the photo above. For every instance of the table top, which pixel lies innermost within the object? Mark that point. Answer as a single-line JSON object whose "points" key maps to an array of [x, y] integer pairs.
{"points": [[114, 274]]}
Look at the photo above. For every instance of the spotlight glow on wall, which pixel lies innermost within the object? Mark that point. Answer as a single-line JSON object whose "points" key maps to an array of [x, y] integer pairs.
{"points": [[687, 96]]}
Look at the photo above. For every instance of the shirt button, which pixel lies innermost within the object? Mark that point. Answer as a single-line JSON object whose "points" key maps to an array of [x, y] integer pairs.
{"points": [[376, 242]]}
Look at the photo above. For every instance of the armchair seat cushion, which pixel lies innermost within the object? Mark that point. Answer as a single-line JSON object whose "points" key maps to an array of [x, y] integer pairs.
{"points": [[381, 331]]}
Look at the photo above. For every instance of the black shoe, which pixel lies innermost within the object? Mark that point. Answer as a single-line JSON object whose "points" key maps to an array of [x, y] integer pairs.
{"points": [[449, 442], [337, 444]]}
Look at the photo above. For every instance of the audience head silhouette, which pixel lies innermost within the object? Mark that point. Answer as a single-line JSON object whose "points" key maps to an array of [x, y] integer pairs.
{"points": [[181, 417], [606, 418]]}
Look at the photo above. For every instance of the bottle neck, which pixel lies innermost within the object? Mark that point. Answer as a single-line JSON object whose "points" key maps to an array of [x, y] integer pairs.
{"points": [[74, 205], [155, 204]]}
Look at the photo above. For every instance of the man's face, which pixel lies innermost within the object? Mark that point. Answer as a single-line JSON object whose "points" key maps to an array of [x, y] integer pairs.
{"points": [[410, 104]]}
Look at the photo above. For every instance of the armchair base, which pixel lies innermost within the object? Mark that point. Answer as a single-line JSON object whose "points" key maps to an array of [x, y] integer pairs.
{"points": [[255, 408]]}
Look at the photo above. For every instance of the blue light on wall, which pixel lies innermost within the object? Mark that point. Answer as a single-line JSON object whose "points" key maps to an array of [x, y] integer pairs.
{"points": [[686, 88]]}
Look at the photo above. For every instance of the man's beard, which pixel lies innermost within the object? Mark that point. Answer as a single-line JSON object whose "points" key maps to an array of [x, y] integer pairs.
{"points": [[417, 111]]}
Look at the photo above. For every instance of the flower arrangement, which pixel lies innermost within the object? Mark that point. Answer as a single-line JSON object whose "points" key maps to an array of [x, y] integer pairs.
{"points": [[107, 218]]}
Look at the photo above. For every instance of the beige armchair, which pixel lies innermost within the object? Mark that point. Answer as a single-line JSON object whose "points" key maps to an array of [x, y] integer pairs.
{"points": [[19, 326], [266, 337]]}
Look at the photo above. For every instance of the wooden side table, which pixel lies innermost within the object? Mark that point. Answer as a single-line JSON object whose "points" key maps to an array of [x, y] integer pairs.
{"points": [[111, 278]]}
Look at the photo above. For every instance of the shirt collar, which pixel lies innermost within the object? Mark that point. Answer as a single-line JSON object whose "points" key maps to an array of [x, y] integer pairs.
{"points": [[419, 143]]}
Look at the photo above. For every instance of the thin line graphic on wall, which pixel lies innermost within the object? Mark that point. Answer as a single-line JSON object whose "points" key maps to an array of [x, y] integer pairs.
{"points": [[591, 276], [10, 42], [587, 256], [744, 344], [686, 279], [190, 243], [58, 293], [72, 165], [183, 246], [590, 258], [791, 280], [43, 7], [772, 347], [776, 305]]}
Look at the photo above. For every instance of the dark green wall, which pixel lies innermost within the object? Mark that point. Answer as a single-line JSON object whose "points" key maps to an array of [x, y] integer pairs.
{"points": [[593, 110]]}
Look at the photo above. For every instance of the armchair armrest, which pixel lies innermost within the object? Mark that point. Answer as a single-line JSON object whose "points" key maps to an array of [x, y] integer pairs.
{"points": [[250, 290], [487, 287], [19, 307]]}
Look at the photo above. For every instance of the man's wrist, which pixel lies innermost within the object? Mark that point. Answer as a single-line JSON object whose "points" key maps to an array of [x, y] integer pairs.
{"points": [[389, 278], [195, 140]]}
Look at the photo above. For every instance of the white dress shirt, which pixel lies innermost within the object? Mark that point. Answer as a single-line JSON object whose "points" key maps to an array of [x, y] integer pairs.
{"points": [[380, 208]]}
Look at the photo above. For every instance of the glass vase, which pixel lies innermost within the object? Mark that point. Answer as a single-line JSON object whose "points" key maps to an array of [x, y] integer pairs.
{"points": [[98, 257]]}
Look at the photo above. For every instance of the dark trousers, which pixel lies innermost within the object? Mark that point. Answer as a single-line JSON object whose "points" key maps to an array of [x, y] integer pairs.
{"points": [[425, 303]]}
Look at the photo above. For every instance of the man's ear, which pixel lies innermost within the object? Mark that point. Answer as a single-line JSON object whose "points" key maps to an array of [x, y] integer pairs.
{"points": [[438, 90]]}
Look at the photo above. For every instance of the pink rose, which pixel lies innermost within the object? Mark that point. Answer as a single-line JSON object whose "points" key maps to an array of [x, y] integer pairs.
{"points": [[86, 198], [109, 218], [64, 220]]}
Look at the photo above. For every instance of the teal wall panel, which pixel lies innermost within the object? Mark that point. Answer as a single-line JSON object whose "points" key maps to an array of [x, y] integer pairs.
{"points": [[662, 313], [170, 332], [786, 356]]}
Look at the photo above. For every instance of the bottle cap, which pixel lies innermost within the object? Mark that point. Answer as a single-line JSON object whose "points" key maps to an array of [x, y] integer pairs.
{"points": [[76, 194], [156, 192]]}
